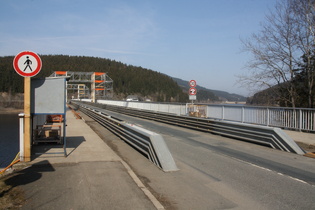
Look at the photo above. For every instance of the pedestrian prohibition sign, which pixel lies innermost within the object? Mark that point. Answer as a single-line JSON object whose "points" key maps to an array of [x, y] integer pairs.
{"points": [[27, 64], [192, 83]]}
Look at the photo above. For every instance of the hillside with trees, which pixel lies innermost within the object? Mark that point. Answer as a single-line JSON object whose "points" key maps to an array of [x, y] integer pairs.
{"points": [[128, 80], [207, 95]]}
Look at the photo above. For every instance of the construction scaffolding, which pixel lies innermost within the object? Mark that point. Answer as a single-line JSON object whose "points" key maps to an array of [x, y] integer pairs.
{"points": [[91, 85], [78, 91]]}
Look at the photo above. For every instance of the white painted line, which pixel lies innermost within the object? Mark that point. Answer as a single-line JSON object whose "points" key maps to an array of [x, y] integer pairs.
{"points": [[151, 197], [266, 169]]}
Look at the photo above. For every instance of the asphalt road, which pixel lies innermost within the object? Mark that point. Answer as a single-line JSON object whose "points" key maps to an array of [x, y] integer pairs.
{"points": [[220, 173]]}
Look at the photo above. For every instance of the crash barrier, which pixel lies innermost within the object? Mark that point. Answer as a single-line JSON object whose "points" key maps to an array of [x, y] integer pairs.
{"points": [[272, 137], [301, 119], [151, 144]]}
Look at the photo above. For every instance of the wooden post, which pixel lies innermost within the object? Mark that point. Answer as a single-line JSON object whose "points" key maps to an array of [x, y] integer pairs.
{"points": [[27, 119]]}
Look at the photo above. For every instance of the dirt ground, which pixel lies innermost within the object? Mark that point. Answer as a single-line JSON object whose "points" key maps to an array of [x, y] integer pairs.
{"points": [[10, 197], [307, 147]]}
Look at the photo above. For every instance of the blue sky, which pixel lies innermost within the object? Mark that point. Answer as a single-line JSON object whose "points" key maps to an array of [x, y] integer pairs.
{"points": [[187, 39]]}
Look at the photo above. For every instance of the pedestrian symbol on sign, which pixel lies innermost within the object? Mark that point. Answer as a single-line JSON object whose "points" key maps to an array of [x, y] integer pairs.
{"points": [[28, 62]]}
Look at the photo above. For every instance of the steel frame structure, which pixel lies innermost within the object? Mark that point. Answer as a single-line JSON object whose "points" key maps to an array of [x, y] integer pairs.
{"points": [[101, 85], [81, 90]]}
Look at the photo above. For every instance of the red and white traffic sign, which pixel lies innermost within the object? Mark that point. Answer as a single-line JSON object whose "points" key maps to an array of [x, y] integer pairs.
{"points": [[192, 91], [27, 64], [192, 83]]}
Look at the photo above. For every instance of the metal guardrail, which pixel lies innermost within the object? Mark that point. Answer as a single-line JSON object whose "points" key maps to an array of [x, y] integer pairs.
{"points": [[282, 117], [271, 137], [150, 144]]}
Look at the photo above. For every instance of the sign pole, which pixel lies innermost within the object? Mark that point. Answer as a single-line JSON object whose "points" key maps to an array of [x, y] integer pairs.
{"points": [[27, 119], [192, 91], [27, 64]]}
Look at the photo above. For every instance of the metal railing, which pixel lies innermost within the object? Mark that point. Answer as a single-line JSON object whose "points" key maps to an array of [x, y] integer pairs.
{"points": [[291, 118], [151, 144], [272, 137], [301, 119]]}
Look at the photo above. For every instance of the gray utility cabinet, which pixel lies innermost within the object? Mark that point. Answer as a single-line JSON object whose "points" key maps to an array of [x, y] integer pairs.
{"points": [[48, 100]]}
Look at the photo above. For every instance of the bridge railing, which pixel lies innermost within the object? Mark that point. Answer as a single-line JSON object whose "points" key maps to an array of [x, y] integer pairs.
{"points": [[291, 118], [178, 109]]}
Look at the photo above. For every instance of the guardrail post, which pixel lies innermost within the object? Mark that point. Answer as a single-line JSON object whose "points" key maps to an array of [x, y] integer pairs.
{"points": [[268, 115], [186, 110], [222, 112], [243, 113]]}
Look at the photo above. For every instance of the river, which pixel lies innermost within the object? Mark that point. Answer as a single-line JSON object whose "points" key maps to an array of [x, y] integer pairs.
{"points": [[9, 138]]}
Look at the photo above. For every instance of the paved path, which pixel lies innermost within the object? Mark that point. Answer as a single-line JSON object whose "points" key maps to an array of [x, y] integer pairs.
{"points": [[92, 176]]}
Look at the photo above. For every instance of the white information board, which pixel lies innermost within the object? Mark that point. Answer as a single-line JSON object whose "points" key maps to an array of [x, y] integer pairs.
{"points": [[48, 96]]}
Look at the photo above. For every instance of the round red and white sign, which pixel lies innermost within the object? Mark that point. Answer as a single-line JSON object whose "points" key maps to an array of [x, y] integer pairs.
{"points": [[192, 83], [27, 64], [192, 91]]}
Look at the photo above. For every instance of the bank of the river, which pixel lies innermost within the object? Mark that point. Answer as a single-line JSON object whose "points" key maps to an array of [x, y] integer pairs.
{"points": [[10, 197], [10, 110], [9, 135]]}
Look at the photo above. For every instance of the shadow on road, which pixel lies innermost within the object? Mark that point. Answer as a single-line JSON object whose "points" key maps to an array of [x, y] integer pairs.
{"points": [[46, 150], [11, 196], [28, 175]]}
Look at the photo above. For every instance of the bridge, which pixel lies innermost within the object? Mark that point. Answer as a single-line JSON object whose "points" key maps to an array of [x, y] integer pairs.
{"points": [[213, 172], [192, 164]]}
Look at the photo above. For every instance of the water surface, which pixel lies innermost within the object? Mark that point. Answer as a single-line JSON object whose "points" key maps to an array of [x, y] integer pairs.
{"points": [[9, 138]]}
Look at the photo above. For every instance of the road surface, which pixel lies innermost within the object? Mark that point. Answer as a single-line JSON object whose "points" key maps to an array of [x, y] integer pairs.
{"points": [[218, 172]]}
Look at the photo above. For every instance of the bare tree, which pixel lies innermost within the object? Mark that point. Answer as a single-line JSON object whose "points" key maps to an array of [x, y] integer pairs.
{"points": [[305, 21], [275, 52]]}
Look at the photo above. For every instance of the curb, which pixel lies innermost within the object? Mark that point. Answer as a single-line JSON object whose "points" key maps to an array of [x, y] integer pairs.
{"points": [[145, 190]]}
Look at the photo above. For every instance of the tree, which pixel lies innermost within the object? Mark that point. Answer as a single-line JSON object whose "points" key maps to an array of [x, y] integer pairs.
{"points": [[277, 49], [128, 80], [304, 11], [305, 79]]}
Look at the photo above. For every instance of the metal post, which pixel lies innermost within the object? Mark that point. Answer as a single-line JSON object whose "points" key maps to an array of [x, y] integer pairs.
{"points": [[93, 95], [268, 116], [301, 121], [21, 116], [243, 114], [222, 112]]}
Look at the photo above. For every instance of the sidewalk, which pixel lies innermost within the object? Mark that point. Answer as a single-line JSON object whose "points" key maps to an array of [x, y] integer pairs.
{"points": [[306, 138], [92, 176]]}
